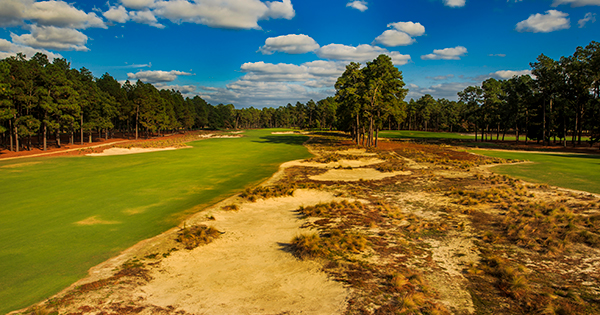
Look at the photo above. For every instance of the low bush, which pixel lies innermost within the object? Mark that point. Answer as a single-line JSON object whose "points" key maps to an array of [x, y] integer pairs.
{"points": [[194, 236]]}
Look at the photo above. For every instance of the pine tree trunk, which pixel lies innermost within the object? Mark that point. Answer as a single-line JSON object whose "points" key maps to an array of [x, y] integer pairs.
{"points": [[81, 128], [44, 137], [58, 138], [10, 134], [16, 136]]}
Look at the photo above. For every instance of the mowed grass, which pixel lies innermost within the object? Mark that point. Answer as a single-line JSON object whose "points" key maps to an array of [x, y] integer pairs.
{"points": [[61, 216], [574, 171]]}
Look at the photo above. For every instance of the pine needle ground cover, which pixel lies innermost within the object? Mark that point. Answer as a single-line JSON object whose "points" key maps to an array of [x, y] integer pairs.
{"points": [[61, 216], [574, 171], [414, 134]]}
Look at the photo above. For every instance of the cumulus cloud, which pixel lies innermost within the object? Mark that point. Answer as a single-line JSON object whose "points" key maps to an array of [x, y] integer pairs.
{"points": [[358, 5], [117, 14], [8, 49], [393, 38], [589, 17], [156, 76], [235, 14], [553, 20], [508, 74], [186, 90], [145, 17], [47, 13], [268, 84], [361, 53], [444, 90], [576, 3], [291, 44], [137, 4], [454, 3], [401, 35], [50, 37], [446, 54], [410, 28]]}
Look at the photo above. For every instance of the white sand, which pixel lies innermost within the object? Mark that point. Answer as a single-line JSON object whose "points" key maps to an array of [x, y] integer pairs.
{"points": [[123, 151]]}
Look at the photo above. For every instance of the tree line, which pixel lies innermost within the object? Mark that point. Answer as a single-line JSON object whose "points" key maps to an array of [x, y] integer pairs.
{"points": [[49, 101], [560, 100]]}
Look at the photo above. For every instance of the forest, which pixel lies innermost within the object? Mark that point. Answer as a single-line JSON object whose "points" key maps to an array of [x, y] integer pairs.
{"points": [[50, 102]]}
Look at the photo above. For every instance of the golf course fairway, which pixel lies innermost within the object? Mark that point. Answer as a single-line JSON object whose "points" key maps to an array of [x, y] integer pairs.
{"points": [[573, 171], [61, 216]]}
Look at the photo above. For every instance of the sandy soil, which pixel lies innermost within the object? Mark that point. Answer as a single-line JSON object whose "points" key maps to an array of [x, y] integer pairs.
{"points": [[123, 151], [219, 136], [248, 270], [356, 174]]}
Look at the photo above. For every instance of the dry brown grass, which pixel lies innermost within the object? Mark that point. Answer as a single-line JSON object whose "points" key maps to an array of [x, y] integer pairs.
{"points": [[194, 236]]}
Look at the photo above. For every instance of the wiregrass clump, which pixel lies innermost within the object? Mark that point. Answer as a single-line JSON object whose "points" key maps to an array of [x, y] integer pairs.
{"points": [[329, 243], [194, 236], [265, 192]]}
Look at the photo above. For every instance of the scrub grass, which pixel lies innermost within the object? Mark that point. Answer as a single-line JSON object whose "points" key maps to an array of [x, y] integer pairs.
{"points": [[573, 171], [61, 216]]}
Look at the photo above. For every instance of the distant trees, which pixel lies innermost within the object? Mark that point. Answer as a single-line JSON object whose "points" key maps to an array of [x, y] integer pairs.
{"points": [[368, 97], [562, 98]]}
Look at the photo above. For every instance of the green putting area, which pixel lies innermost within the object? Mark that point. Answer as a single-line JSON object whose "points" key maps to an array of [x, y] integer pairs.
{"points": [[573, 171], [60, 216]]}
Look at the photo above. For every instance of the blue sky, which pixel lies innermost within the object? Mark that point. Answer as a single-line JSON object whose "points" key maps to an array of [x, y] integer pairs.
{"points": [[270, 53]]}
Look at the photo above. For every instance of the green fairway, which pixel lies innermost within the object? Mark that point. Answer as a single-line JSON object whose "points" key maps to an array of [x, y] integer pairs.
{"points": [[61, 216], [574, 171]]}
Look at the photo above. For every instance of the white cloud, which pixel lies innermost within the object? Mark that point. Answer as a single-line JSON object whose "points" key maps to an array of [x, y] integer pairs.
{"points": [[280, 10], [291, 44], [145, 17], [184, 89], [361, 53], [47, 13], [117, 14], [589, 17], [497, 55], [8, 49], [50, 37], [358, 5], [553, 20], [401, 35], [236, 14], [576, 3], [393, 38], [267, 84], [444, 90], [138, 4], [455, 3], [508, 74], [156, 76], [446, 54], [410, 28]]}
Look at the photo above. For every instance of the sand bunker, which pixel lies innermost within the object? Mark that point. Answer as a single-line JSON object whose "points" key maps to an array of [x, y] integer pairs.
{"points": [[356, 174], [123, 151], [343, 163], [219, 136], [248, 270], [362, 152]]}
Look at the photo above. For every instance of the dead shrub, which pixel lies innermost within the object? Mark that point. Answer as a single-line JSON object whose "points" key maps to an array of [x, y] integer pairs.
{"points": [[194, 236]]}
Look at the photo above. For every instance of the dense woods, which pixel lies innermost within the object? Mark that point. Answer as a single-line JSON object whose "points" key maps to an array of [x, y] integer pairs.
{"points": [[48, 101], [560, 102]]}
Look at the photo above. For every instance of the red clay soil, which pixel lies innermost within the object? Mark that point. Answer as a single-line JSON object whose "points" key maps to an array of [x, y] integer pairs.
{"points": [[98, 145]]}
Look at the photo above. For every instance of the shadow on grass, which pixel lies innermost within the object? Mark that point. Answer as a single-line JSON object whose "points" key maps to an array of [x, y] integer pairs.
{"points": [[282, 139]]}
